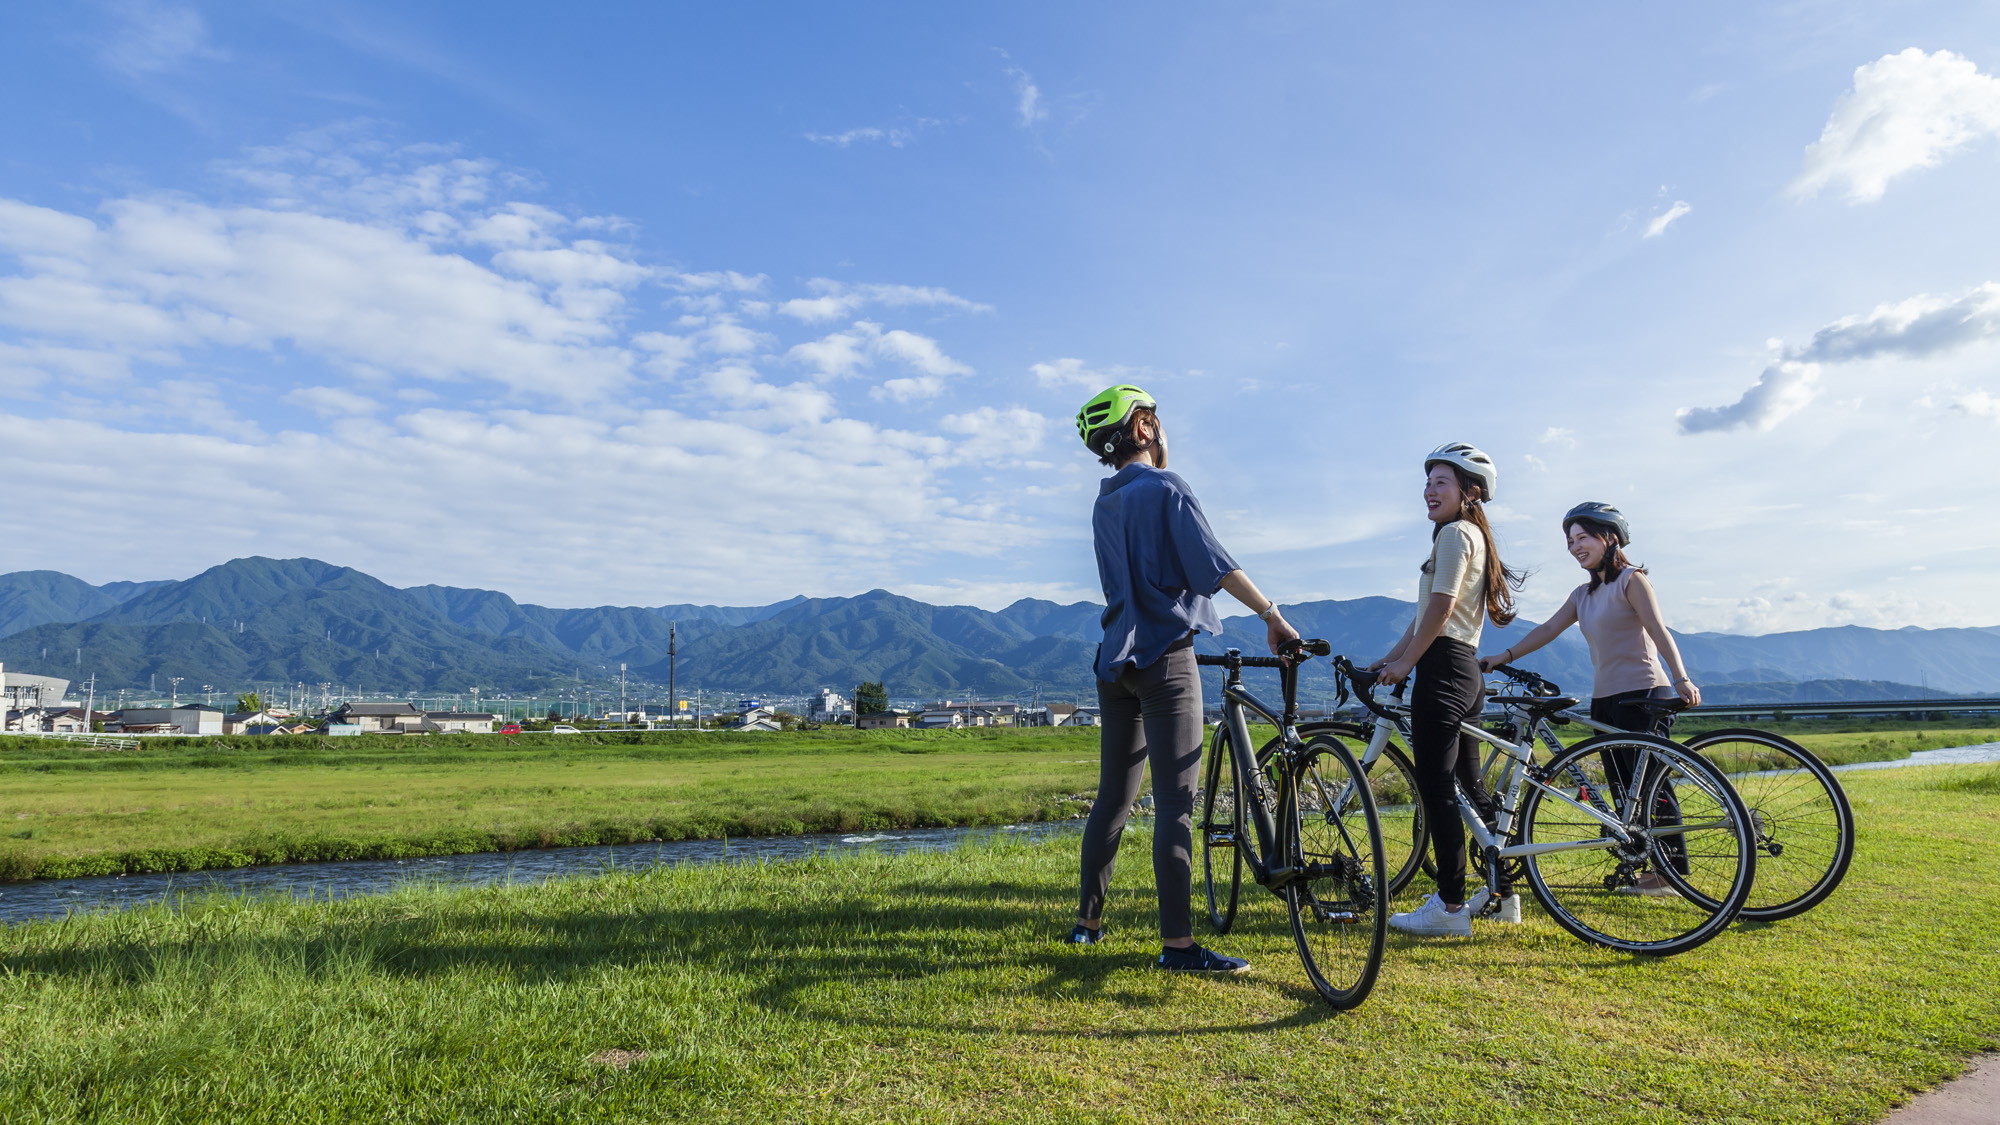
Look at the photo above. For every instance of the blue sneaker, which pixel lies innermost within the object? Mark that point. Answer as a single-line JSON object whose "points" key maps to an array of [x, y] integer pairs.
{"points": [[1195, 959], [1084, 935]]}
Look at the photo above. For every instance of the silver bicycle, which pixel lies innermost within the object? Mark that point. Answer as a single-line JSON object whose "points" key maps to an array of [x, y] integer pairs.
{"points": [[1582, 827]]}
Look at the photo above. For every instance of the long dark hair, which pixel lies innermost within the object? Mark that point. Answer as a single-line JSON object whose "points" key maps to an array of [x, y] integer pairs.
{"points": [[1614, 561], [1501, 580]]}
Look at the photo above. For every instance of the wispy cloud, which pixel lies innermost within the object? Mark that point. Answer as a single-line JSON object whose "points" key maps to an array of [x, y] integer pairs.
{"points": [[895, 136], [1666, 218], [833, 300], [1919, 327], [150, 38], [1905, 111], [1070, 372]]}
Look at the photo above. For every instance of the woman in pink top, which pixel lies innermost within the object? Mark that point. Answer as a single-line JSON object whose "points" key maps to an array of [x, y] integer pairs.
{"points": [[1632, 655]]}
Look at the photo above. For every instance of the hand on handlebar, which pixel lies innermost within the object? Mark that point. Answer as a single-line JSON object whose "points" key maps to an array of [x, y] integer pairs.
{"points": [[1278, 633], [1488, 663], [1392, 672]]}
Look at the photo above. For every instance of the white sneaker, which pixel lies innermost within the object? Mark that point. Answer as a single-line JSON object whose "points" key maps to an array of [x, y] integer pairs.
{"points": [[1431, 919], [1510, 907]]}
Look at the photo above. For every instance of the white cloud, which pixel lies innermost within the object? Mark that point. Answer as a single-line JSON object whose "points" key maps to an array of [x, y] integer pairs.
{"points": [[998, 595], [1782, 390], [991, 433], [1029, 108], [1906, 111], [895, 136], [1558, 436], [1666, 218], [841, 354], [836, 355], [278, 339], [1916, 328], [151, 38], [332, 402], [1073, 373], [1978, 404], [835, 300]]}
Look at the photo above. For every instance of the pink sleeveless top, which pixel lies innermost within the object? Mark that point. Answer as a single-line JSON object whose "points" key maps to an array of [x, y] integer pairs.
{"points": [[1622, 656]]}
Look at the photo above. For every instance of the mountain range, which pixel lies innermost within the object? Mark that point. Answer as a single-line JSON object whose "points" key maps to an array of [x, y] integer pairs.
{"points": [[270, 621]]}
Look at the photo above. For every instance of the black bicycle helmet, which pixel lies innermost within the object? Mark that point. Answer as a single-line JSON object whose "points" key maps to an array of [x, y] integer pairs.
{"points": [[1602, 515]]}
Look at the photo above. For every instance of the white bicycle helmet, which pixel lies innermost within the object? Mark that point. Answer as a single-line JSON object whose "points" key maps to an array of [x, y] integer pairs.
{"points": [[1467, 458]]}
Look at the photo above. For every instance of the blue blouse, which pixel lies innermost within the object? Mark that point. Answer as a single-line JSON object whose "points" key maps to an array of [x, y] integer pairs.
{"points": [[1159, 563]]}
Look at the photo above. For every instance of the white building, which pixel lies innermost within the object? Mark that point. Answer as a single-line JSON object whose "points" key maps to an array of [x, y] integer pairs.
{"points": [[827, 707]]}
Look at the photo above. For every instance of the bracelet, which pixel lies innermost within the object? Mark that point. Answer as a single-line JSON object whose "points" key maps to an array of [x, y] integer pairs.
{"points": [[1270, 611], [1682, 680], [1509, 654]]}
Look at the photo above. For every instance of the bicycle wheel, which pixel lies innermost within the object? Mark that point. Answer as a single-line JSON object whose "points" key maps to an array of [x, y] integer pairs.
{"points": [[1340, 916], [1683, 821], [1393, 780], [1804, 824], [1221, 833]]}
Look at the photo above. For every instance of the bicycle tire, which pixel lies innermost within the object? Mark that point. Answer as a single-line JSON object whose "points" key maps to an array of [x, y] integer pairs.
{"points": [[1584, 889], [1393, 780], [1804, 822], [1339, 913], [1222, 835]]}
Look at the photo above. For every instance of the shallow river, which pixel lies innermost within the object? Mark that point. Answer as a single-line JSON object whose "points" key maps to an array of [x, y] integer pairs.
{"points": [[52, 898]]}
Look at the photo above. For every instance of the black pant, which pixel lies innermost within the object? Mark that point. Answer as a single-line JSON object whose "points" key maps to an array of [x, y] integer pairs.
{"points": [[1148, 714], [1449, 690], [1621, 710]]}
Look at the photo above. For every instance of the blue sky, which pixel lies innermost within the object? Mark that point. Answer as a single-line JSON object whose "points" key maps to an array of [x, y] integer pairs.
{"points": [[655, 303]]}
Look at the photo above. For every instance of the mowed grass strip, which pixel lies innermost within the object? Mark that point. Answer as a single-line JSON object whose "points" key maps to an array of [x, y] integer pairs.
{"points": [[932, 988], [63, 812]]}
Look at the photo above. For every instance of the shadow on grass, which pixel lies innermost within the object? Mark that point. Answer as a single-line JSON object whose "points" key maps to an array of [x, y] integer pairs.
{"points": [[966, 944]]}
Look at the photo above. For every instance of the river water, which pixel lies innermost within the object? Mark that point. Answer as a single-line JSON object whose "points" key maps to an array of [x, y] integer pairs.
{"points": [[53, 898]]}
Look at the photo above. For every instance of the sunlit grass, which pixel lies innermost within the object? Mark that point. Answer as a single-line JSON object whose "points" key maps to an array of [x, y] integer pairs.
{"points": [[931, 988]]}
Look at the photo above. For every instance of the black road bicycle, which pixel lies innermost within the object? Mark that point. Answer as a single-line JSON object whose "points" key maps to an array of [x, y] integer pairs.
{"points": [[1299, 816]]}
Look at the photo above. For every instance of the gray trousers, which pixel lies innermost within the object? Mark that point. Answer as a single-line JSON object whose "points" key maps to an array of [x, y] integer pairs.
{"points": [[1148, 714]]}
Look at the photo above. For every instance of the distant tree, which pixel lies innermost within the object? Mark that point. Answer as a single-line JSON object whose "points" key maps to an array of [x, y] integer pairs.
{"points": [[250, 703], [870, 698], [555, 716]]}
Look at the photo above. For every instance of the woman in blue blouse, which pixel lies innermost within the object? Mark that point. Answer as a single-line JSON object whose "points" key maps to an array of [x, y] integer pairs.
{"points": [[1159, 564]]}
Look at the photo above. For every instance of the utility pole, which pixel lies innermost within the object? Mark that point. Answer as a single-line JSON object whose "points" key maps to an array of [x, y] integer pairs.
{"points": [[90, 705], [621, 694], [673, 651], [174, 690]]}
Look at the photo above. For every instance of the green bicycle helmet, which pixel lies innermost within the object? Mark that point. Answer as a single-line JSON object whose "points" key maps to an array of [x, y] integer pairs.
{"points": [[1109, 410]]}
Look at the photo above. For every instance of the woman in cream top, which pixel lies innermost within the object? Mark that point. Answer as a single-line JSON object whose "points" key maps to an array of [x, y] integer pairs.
{"points": [[1463, 582]]}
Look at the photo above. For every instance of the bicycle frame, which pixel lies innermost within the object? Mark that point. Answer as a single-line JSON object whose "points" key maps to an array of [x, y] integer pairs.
{"points": [[1257, 798], [1519, 774]]}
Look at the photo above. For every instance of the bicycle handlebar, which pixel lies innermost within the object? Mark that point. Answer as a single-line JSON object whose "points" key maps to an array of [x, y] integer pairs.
{"points": [[1534, 683], [1363, 682], [1296, 652]]}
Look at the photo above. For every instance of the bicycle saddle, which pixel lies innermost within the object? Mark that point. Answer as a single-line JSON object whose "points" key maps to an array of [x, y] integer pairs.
{"points": [[1540, 706], [1661, 706]]}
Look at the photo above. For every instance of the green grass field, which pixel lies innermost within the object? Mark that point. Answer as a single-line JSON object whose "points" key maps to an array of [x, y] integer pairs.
{"points": [[206, 805], [931, 988], [194, 804]]}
